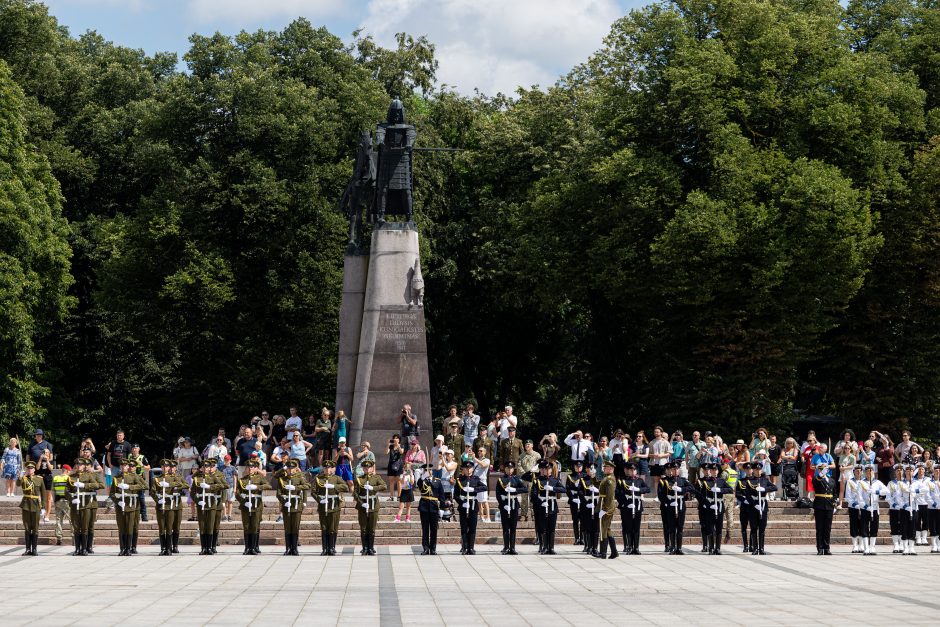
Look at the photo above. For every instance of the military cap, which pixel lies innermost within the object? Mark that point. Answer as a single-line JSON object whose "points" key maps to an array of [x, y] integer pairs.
{"points": [[293, 463], [578, 462], [174, 463], [81, 460], [467, 464], [544, 463], [509, 464], [210, 461], [629, 466], [329, 463], [367, 463], [127, 461], [30, 465], [166, 462], [254, 463], [609, 462], [672, 464]]}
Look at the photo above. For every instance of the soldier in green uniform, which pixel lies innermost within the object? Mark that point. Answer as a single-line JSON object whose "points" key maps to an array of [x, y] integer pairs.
{"points": [[328, 489], [166, 491], [34, 495], [608, 504], [292, 488], [219, 506], [125, 491], [248, 492], [177, 505], [366, 490], [207, 490], [84, 485]]}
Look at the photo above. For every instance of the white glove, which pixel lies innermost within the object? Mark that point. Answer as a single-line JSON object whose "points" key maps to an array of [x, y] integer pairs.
{"points": [[123, 486], [252, 486], [368, 487], [602, 514], [79, 484], [329, 486], [716, 489], [290, 487], [164, 484], [204, 486], [759, 489], [633, 488], [510, 490], [161, 501]]}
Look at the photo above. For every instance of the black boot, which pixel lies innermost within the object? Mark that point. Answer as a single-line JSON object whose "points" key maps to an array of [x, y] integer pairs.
{"points": [[332, 544], [512, 542], [288, 543], [627, 544], [550, 543], [636, 544], [755, 550], [505, 542], [717, 544], [704, 542], [363, 542], [760, 543], [744, 540], [134, 544], [81, 544], [256, 545], [295, 544], [89, 544], [34, 543], [602, 554], [122, 544], [324, 544], [613, 548], [214, 542], [176, 542], [76, 543], [678, 550], [247, 540], [28, 542]]}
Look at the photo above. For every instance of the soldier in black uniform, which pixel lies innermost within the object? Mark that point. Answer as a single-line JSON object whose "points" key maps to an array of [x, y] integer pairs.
{"points": [[543, 494], [711, 509], [394, 141], [572, 486], [825, 490], [671, 493], [744, 507], [589, 494], [432, 495], [466, 488], [630, 491], [757, 488], [509, 489]]}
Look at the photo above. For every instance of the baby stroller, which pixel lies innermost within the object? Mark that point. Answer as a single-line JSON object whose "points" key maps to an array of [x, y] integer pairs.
{"points": [[790, 478]]}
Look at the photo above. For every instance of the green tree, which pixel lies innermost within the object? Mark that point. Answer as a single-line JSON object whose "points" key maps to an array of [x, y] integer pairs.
{"points": [[34, 257]]}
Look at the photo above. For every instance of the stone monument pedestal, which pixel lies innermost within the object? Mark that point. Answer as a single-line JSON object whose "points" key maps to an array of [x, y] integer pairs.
{"points": [[383, 361]]}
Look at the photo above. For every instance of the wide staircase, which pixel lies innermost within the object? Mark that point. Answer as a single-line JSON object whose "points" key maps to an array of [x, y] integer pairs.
{"points": [[787, 525]]}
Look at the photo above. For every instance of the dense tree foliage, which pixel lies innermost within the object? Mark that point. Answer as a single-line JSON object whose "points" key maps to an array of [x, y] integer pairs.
{"points": [[728, 214]]}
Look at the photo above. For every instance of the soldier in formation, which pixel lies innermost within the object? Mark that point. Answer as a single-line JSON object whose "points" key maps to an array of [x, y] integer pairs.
{"points": [[630, 491], [672, 493], [83, 488], [249, 494], [543, 495], [292, 487], [366, 491], [509, 490], [207, 489], [432, 495], [125, 494], [467, 487]]}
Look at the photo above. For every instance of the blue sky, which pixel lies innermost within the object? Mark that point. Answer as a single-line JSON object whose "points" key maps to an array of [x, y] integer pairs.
{"points": [[493, 45]]}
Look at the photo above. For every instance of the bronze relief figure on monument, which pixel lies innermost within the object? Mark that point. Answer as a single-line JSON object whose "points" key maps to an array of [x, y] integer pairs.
{"points": [[383, 361]]}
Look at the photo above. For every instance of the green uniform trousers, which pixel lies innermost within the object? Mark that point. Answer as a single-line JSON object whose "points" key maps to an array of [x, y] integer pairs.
{"points": [[291, 521]]}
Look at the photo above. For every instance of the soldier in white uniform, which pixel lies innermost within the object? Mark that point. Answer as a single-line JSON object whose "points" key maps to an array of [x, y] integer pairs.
{"points": [[895, 506], [854, 504], [933, 509], [869, 491], [923, 504]]}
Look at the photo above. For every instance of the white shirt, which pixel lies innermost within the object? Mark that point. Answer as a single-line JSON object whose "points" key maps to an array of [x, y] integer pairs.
{"points": [[504, 424], [579, 448], [294, 423]]}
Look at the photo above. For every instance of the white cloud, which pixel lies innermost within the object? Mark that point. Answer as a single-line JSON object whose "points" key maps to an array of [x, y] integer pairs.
{"points": [[131, 5], [498, 45], [245, 11]]}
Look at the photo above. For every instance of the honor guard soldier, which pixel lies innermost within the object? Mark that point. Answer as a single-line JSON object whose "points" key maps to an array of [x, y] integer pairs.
{"points": [[933, 511], [125, 493], [910, 488], [895, 505], [573, 488], [671, 493], [923, 505], [83, 486], [852, 501], [824, 489], [757, 488], [366, 491], [34, 495], [466, 488], [166, 492], [630, 491], [606, 508], [869, 491], [432, 495], [328, 489], [207, 490], [291, 487], [249, 492], [744, 506], [589, 494], [182, 486], [710, 491], [543, 494], [219, 505], [509, 490]]}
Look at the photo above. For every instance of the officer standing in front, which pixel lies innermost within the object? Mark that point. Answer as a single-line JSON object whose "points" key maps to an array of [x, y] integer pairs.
{"points": [[432, 496], [825, 490], [34, 495], [606, 507]]}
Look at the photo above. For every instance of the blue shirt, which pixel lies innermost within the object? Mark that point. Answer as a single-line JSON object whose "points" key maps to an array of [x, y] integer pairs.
{"points": [[821, 460]]}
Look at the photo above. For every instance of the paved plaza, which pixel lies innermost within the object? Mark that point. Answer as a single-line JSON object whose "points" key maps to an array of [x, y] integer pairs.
{"points": [[792, 586]]}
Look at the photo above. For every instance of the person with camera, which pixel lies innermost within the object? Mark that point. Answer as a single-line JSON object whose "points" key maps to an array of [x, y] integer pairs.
{"points": [[409, 423], [396, 464]]}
